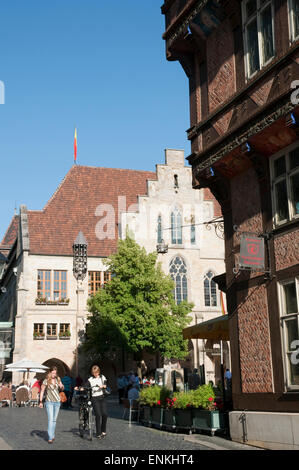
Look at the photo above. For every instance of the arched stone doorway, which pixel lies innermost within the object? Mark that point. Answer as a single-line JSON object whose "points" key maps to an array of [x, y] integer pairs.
{"points": [[62, 368]]}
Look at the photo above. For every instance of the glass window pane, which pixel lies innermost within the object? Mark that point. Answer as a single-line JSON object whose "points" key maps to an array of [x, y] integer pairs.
{"points": [[214, 293], [294, 157], [281, 197], [207, 292], [250, 8], [291, 332], [159, 230], [290, 298], [279, 166], [296, 17], [193, 234], [295, 192], [253, 51], [267, 34]]}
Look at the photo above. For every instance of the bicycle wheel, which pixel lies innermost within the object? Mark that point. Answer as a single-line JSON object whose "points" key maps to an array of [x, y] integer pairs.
{"points": [[82, 421], [90, 423]]}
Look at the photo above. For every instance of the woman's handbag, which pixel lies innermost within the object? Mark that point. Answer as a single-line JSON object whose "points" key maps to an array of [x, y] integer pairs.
{"points": [[63, 397]]}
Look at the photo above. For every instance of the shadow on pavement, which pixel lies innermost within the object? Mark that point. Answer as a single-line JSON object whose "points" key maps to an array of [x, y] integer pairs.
{"points": [[42, 434]]}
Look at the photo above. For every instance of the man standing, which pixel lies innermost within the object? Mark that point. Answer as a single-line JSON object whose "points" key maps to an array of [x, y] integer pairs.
{"points": [[67, 383]]}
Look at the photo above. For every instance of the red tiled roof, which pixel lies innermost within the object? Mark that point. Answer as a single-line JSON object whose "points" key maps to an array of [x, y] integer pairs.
{"points": [[72, 208], [10, 235]]}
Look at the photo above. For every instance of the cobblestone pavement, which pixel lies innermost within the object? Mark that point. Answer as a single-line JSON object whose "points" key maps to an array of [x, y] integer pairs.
{"points": [[25, 428]]}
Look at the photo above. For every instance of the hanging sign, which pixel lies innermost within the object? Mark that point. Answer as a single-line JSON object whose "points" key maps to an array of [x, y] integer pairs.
{"points": [[252, 252]]}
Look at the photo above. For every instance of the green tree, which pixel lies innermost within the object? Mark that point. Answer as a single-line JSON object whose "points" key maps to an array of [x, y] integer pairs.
{"points": [[136, 311]]}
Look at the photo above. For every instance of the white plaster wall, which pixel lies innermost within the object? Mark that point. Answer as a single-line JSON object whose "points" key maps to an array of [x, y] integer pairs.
{"points": [[208, 252]]}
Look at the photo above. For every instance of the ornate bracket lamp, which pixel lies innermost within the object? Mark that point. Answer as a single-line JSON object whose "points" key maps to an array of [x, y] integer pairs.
{"points": [[79, 271]]}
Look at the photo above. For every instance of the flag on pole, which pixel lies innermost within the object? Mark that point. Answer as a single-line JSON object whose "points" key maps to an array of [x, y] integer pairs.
{"points": [[75, 146], [222, 303]]}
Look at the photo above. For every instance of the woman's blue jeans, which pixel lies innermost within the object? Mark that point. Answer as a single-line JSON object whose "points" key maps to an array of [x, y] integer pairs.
{"points": [[52, 408]]}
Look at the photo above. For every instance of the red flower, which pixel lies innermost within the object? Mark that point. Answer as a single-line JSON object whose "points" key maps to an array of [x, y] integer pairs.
{"points": [[158, 402], [174, 399], [188, 404], [210, 399]]}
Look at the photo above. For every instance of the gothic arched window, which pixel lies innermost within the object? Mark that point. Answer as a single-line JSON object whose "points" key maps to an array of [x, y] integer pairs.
{"points": [[178, 272], [210, 290], [176, 227], [159, 229]]}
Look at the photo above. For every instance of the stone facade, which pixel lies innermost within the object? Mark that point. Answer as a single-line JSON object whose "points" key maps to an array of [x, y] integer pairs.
{"points": [[155, 194], [171, 190]]}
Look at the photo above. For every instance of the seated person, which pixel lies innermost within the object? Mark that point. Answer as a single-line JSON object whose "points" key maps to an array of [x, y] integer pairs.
{"points": [[24, 385], [133, 393]]}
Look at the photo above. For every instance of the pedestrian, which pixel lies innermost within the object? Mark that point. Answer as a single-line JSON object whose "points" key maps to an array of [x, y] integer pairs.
{"points": [[228, 378], [73, 384], [51, 387], [79, 381], [121, 384], [97, 382], [143, 368], [67, 383], [133, 393]]}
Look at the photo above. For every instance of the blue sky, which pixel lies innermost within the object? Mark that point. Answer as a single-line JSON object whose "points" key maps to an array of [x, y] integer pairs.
{"points": [[96, 64]]}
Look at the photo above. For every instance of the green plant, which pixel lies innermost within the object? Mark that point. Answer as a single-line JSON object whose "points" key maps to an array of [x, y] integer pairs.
{"points": [[182, 400], [204, 397], [65, 333], [154, 396]]}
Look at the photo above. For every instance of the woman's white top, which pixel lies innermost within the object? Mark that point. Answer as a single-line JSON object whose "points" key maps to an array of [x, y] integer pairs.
{"points": [[95, 384]]}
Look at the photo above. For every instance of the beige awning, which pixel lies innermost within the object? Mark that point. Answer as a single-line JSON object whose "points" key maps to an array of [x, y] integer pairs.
{"points": [[216, 329]]}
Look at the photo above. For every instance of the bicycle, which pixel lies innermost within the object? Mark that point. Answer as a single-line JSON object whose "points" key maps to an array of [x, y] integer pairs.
{"points": [[86, 422]]}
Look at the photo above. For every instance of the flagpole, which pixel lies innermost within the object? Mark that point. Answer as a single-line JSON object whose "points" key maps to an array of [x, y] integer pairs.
{"points": [[75, 147]]}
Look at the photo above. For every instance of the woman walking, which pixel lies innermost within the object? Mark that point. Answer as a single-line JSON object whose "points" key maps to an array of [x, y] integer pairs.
{"points": [[51, 387], [97, 382]]}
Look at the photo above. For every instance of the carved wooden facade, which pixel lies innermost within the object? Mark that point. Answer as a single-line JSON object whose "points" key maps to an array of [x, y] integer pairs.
{"points": [[237, 125]]}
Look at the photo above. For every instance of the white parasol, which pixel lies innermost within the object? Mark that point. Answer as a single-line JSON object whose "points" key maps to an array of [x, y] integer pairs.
{"points": [[25, 365]]}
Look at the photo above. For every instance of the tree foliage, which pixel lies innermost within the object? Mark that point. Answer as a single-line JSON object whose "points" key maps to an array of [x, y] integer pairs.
{"points": [[136, 310]]}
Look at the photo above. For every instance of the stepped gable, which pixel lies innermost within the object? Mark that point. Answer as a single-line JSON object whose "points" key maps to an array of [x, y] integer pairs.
{"points": [[72, 208]]}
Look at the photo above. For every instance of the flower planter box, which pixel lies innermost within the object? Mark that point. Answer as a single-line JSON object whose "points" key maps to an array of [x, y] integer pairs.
{"points": [[51, 337], [146, 414], [169, 419], [207, 420], [183, 418], [38, 337], [156, 418], [51, 302], [64, 337]]}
